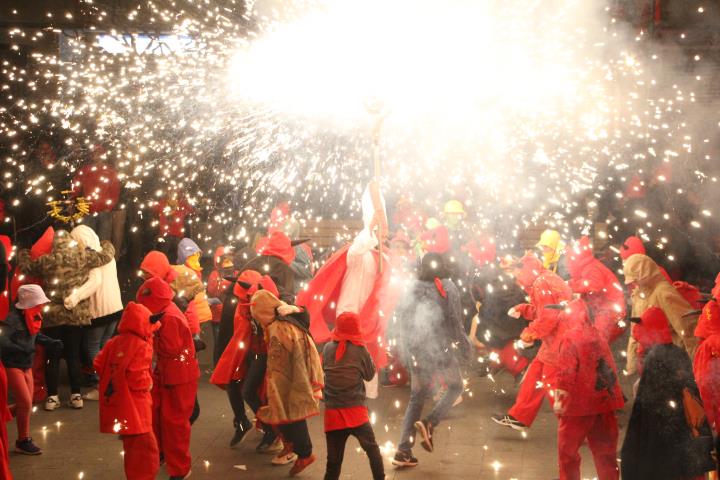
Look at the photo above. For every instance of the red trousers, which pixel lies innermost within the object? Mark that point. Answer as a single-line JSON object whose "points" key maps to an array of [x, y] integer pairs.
{"points": [[539, 381], [601, 432], [4, 418], [172, 408], [513, 362], [142, 458]]}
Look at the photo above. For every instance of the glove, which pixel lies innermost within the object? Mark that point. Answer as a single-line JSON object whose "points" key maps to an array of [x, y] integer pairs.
{"points": [[527, 337]]}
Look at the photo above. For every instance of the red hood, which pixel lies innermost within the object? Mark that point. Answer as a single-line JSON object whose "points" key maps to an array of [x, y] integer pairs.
{"points": [[653, 329], [577, 257], [709, 321], [44, 244], [277, 244], [155, 294], [220, 253], [631, 246], [156, 264], [253, 282], [136, 320], [716, 289], [530, 269], [436, 240]]}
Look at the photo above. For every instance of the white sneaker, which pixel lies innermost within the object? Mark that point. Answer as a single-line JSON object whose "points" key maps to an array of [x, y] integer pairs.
{"points": [[52, 403], [76, 401], [284, 459], [92, 395]]}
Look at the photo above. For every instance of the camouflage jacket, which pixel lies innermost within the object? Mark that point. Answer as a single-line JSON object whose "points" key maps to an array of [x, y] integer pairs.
{"points": [[64, 269]]}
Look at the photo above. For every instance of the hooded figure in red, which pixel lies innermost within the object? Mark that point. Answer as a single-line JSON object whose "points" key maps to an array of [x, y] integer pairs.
{"points": [[706, 364], [175, 377], [668, 436], [634, 245], [544, 288], [599, 287], [245, 350], [124, 366], [586, 397], [42, 246]]}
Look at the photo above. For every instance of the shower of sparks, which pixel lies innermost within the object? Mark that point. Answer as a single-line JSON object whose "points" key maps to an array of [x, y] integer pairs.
{"points": [[526, 113]]}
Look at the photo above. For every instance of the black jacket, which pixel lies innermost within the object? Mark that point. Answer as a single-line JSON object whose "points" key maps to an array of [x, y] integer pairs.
{"points": [[16, 343], [428, 328], [496, 328], [659, 444], [279, 271], [344, 385]]}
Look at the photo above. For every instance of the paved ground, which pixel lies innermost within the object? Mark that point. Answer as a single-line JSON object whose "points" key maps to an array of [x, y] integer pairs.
{"points": [[468, 445]]}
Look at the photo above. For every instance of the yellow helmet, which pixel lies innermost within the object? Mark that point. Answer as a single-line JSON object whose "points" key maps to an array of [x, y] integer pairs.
{"points": [[553, 247], [454, 207], [550, 239]]}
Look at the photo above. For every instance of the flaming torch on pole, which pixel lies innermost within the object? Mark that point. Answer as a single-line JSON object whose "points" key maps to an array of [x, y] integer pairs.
{"points": [[379, 111]]}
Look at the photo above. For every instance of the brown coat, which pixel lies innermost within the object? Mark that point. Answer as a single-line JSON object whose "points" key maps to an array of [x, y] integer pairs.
{"points": [[294, 375], [654, 290], [188, 282]]}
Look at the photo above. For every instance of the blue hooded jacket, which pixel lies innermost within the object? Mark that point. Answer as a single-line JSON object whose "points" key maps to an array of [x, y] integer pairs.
{"points": [[186, 248]]}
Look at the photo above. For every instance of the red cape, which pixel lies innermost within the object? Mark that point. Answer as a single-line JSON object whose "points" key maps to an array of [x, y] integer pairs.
{"points": [[231, 364], [322, 295]]}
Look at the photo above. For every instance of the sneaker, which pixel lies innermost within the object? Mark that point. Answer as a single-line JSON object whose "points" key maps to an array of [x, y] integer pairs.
{"points": [[458, 401], [52, 403], [27, 447], [181, 477], [425, 429], [76, 401], [404, 459], [509, 421], [93, 395], [241, 431], [301, 464], [286, 456], [270, 443]]}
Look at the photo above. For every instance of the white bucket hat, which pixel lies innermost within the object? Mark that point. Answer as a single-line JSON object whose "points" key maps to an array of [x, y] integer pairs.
{"points": [[31, 296]]}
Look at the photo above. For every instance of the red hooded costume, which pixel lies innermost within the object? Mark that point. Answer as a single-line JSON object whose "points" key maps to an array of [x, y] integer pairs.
{"points": [[599, 287], [589, 393], [43, 246], [706, 364], [175, 377], [544, 288], [322, 295], [231, 365], [125, 401], [277, 244], [217, 286]]}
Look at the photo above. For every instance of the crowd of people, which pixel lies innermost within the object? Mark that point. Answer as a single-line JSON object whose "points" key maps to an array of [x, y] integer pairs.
{"points": [[414, 299]]}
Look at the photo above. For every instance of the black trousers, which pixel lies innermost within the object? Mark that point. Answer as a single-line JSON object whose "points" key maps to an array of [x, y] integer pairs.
{"points": [[336, 440], [234, 393], [297, 434], [254, 377], [71, 337]]}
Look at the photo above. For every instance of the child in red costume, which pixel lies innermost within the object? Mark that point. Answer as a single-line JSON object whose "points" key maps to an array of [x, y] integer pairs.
{"points": [[586, 397], [544, 288], [125, 382], [245, 354], [706, 364], [599, 287], [175, 379]]}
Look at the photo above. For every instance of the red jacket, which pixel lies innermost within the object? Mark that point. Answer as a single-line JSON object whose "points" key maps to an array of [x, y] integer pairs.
{"points": [[125, 380], [231, 365], [547, 288], [706, 364], [599, 287], [586, 369], [173, 342], [99, 184]]}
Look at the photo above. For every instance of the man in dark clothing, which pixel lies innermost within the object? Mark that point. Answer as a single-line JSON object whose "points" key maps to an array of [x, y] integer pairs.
{"points": [[668, 437], [428, 332], [347, 363]]}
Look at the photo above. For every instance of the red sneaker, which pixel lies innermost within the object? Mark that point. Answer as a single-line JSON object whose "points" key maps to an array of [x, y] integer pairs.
{"points": [[301, 464]]}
